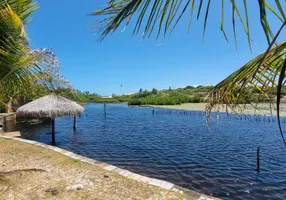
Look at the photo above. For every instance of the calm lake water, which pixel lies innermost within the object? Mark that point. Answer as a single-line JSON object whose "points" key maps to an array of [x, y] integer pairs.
{"points": [[178, 148]]}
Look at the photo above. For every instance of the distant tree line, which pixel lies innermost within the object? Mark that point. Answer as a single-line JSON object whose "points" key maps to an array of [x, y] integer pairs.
{"points": [[188, 94], [169, 96]]}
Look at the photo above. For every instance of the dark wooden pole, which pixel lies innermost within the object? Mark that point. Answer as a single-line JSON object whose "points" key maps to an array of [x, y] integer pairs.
{"points": [[104, 109], [74, 122], [153, 112], [258, 159], [53, 132]]}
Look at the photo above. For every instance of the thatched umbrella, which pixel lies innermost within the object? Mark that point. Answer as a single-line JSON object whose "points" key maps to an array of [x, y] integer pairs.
{"points": [[51, 106]]}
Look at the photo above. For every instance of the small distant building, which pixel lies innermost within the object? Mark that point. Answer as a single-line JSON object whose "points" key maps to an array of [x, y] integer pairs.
{"points": [[106, 97]]}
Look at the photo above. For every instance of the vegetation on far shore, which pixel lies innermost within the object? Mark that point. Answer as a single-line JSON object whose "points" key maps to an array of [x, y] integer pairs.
{"points": [[189, 94], [169, 96]]}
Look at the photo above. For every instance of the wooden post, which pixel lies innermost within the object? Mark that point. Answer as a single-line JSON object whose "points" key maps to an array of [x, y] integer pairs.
{"points": [[74, 122], [104, 109], [53, 132], [153, 112], [1, 129], [258, 159]]}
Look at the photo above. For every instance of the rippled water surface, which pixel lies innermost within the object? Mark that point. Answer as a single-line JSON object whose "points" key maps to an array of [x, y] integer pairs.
{"points": [[178, 148]]}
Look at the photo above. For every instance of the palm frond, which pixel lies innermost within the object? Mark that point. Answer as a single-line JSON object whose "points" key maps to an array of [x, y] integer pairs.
{"points": [[257, 77], [23, 8], [166, 14], [20, 66]]}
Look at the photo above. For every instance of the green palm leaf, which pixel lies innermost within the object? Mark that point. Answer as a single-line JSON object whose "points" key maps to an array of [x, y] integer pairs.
{"points": [[166, 14], [21, 67], [261, 76]]}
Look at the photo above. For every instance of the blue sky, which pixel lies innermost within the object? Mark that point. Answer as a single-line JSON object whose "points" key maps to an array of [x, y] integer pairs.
{"points": [[178, 60]]}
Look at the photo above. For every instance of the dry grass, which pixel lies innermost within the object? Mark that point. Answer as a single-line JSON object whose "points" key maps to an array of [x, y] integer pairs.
{"points": [[31, 172]]}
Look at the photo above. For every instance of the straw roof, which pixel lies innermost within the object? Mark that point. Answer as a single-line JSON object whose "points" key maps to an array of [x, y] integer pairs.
{"points": [[51, 106]]}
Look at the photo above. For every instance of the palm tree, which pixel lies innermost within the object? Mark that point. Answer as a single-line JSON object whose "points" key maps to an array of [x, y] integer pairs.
{"points": [[21, 67], [266, 72]]}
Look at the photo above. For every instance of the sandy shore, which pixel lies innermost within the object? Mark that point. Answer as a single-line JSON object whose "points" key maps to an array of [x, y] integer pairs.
{"points": [[31, 172], [263, 108]]}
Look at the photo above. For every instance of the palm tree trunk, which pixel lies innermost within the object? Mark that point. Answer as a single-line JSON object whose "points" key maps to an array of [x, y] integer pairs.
{"points": [[8, 106]]}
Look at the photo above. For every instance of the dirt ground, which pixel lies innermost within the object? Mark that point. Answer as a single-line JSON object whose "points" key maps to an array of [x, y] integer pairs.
{"points": [[34, 173]]}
